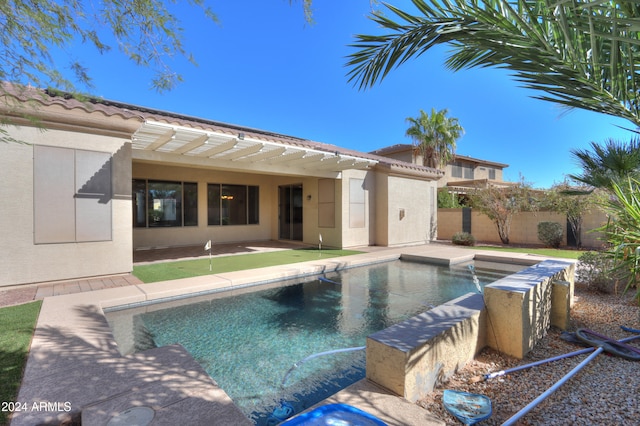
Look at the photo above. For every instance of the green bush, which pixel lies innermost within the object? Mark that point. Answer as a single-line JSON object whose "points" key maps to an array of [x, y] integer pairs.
{"points": [[597, 271], [622, 232], [447, 200], [550, 233], [463, 239]]}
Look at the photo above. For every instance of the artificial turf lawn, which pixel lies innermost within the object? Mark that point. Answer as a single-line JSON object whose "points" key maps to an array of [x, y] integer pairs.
{"points": [[16, 329], [193, 268]]}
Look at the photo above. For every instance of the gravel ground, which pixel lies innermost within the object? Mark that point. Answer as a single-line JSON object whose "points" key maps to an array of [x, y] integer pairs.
{"points": [[604, 392]]}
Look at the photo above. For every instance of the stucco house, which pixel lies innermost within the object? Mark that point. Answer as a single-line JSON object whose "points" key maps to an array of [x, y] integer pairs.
{"points": [[460, 175], [462, 171], [87, 182]]}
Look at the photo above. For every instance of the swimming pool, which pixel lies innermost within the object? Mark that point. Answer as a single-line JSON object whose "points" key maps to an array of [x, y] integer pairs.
{"points": [[249, 343]]}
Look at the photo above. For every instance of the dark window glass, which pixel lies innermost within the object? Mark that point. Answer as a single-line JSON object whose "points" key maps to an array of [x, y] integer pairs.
{"points": [[456, 170], [139, 203], [213, 204], [160, 203], [165, 203], [461, 170], [468, 172], [254, 205], [190, 204], [232, 204]]}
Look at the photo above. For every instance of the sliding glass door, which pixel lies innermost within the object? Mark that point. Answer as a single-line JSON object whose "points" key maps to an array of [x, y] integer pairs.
{"points": [[290, 212]]}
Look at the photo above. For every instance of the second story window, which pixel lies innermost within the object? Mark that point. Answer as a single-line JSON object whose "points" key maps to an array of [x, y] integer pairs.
{"points": [[461, 170]]}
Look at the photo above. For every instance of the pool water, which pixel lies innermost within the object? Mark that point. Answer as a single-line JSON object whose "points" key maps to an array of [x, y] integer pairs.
{"points": [[254, 345]]}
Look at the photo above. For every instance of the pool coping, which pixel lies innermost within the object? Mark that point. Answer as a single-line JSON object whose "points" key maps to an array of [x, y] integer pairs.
{"points": [[73, 345]]}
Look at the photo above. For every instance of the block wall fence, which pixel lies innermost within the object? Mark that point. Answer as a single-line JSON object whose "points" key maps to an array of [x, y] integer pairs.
{"points": [[524, 226]]}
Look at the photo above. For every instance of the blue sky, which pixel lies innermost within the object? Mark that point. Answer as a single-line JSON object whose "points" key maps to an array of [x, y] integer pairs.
{"points": [[262, 66]]}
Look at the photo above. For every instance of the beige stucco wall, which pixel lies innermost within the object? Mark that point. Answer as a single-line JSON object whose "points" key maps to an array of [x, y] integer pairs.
{"points": [[405, 210], [482, 172], [192, 235], [22, 261], [360, 235], [407, 156], [479, 172], [331, 235], [524, 227], [593, 220], [267, 229], [382, 212]]}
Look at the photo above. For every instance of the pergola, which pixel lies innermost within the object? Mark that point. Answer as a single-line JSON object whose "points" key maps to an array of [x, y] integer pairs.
{"points": [[157, 141]]}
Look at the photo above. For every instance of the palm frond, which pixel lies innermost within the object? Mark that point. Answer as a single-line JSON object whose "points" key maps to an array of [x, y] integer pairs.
{"points": [[580, 53]]}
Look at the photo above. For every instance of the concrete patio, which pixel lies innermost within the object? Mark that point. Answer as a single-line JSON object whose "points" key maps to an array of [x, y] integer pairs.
{"points": [[76, 373]]}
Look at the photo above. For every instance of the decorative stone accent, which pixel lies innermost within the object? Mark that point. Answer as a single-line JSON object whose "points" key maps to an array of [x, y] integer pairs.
{"points": [[561, 297], [515, 312], [519, 306]]}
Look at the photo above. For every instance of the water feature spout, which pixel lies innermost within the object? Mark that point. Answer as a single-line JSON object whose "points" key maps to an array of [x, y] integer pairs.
{"points": [[475, 278]]}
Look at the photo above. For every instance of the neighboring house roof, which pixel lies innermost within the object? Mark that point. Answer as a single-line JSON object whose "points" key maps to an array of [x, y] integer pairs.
{"points": [[479, 161], [404, 147], [167, 132], [401, 147], [479, 183]]}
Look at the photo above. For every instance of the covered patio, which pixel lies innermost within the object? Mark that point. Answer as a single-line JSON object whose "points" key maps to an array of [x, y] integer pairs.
{"points": [[104, 181]]}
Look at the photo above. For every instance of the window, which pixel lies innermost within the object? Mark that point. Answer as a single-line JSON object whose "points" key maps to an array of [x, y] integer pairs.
{"points": [[72, 195], [460, 170], [164, 203], [468, 172], [456, 170], [190, 197], [139, 203], [492, 174], [232, 204]]}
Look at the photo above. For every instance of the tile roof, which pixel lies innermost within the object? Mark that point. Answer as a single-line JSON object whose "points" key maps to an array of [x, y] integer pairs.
{"points": [[143, 114]]}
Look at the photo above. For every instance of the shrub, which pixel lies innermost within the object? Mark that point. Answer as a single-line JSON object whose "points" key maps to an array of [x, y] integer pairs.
{"points": [[550, 233], [597, 271], [447, 200], [463, 239]]}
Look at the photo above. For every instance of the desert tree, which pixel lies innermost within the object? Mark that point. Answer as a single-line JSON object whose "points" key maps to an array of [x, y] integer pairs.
{"points": [[573, 201], [501, 204], [148, 33]]}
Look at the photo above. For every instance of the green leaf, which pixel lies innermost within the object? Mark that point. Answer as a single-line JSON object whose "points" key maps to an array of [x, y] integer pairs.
{"points": [[580, 53]]}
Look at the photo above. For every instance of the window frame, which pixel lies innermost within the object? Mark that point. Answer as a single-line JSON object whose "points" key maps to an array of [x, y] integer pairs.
{"points": [[220, 215], [188, 200]]}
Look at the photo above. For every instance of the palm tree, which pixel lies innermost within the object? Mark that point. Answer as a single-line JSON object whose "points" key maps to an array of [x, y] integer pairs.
{"points": [[604, 165], [578, 53], [435, 137]]}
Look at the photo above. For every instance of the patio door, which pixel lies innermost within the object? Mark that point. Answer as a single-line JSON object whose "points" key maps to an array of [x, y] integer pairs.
{"points": [[290, 212]]}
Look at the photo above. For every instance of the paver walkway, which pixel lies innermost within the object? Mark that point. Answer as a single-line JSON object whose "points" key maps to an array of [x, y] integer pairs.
{"points": [[29, 293]]}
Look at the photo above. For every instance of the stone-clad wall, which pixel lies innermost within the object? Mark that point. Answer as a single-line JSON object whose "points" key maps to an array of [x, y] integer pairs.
{"points": [[513, 314]]}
